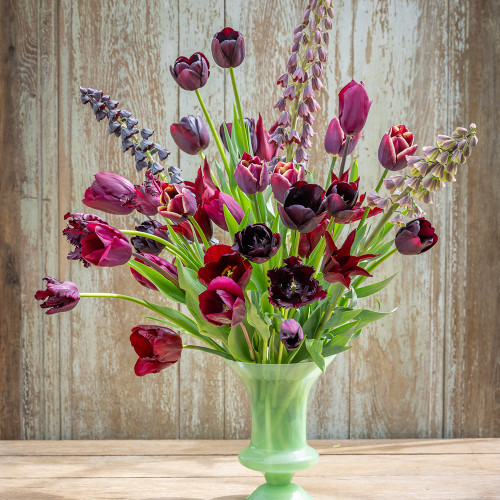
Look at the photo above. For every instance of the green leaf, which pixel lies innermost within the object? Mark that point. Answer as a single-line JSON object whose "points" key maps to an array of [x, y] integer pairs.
{"points": [[340, 316], [254, 319], [232, 225], [238, 346], [258, 277], [342, 334], [222, 354], [312, 322], [176, 318], [315, 347], [330, 350], [353, 173], [368, 316], [366, 291]]}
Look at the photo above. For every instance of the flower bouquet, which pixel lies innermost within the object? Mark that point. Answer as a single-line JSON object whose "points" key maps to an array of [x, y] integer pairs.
{"points": [[282, 293]]}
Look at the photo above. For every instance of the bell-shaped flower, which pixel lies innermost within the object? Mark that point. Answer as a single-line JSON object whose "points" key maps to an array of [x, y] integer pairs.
{"points": [[105, 246], [178, 203], [166, 266], [142, 244], [335, 140], [190, 134], [257, 243], [395, 147], [251, 175], [110, 193], [58, 296], [416, 237], [228, 48], [283, 177], [192, 73], [291, 334], [354, 105]]}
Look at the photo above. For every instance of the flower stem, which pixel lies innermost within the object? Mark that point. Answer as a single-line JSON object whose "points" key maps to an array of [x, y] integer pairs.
{"points": [[329, 176], [280, 354], [249, 342], [202, 155], [257, 209], [295, 243], [344, 158], [116, 296], [379, 227], [329, 309], [382, 177], [197, 229], [240, 112]]}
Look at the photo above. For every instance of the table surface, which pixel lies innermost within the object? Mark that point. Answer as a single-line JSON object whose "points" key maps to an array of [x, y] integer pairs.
{"points": [[432, 469]]}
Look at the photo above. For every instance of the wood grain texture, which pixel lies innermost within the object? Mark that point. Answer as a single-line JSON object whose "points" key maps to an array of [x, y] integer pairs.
{"points": [[432, 369]]}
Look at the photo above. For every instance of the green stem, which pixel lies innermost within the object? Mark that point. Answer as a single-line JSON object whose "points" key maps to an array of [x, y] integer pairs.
{"points": [[249, 342], [240, 112], [382, 177], [280, 353], [264, 351], [257, 209], [197, 229], [156, 267], [117, 296], [202, 155], [379, 227], [329, 309], [214, 133], [344, 158], [295, 243], [329, 176]]}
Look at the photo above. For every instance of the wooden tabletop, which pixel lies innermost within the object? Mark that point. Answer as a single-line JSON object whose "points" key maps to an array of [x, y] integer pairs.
{"points": [[467, 469]]}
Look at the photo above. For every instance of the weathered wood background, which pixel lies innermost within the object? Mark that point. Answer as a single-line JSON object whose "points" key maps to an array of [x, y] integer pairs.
{"points": [[432, 369]]}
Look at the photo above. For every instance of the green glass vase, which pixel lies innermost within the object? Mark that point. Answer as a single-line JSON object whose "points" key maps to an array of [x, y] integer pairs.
{"points": [[278, 447]]}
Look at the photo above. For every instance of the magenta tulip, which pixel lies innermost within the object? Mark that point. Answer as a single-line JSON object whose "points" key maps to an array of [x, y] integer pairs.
{"points": [[335, 139], [147, 196], [291, 334], [283, 177], [110, 193], [105, 246], [59, 296], [214, 207], [354, 105], [178, 203]]}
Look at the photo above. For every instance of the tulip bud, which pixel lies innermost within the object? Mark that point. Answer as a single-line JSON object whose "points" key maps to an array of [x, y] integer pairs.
{"points": [[291, 334], [191, 74], [228, 48], [354, 105], [394, 148], [190, 135]]}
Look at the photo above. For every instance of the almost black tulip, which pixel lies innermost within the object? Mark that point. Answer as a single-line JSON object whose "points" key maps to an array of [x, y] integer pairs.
{"points": [[228, 48], [291, 334], [192, 73], [416, 237], [293, 285], [147, 245], [59, 296], [257, 243], [190, 134], [341, 197]]}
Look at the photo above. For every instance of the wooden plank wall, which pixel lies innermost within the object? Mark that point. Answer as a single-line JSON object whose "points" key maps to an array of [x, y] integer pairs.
{"points": [[432, 369]]}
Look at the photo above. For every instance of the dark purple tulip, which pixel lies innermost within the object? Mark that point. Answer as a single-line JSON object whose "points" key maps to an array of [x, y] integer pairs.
{"points": [[293, 285], [110, 193], [223, 302], [228, 48], [341, 197], [192, 73], [156, 346], [335, 139], [147, 245], [416, 237], [257, 243], [394, 147], [168, 267], [178, 203], [251, 175], [147, 196], [105, 246], [304, 207], [291, 334], [354, 105], [283, 177], [214, 207], [59, 296], [190, 134]]}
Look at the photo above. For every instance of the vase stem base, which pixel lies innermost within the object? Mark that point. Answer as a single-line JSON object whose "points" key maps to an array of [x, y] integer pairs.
{"points": [[289, 491]]}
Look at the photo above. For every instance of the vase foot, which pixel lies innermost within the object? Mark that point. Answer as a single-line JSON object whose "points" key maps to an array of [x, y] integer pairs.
{"points": [[284, 492]]}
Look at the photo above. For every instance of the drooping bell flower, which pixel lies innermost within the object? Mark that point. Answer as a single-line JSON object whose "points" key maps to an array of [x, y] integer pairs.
{"points": [[223, 302], [178, 203], [76, 230], [222, 260], [147, 196], [190, 134], [192, 73], [304, 207], [249, 123], [214, 207], [283, 177], [265, 150], [395, 147], [359, 210], [156, 346], [309, 241], [167, 266], [251, 175], [335, 140], [339, 265], [341, 197], [354, 105], [105, 246], [228, 48], [416, 237], [291, 334], [147, 245], [293, 285], [110, 193], [59, 296], [257, 243]]}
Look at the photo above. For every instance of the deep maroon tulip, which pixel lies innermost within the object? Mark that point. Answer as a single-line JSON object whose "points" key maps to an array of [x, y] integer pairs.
{"points": [[251, 175], [167, 266], [394, 148], [291, 334], [341, 197], [222, 260], [156, 346], [105, 246], [147, 245], [228, 48], [59, 296], [110, 193], [192, 73], [335, 139], [257, 243], [354, 105], [178, 203], [338, 263], [308, 241], [190, 134], [283, 177], [293, 285], [304, 207], [76, 230], [223, 302], [214, 207], [265, 150], [416, 237], [147, 196]]}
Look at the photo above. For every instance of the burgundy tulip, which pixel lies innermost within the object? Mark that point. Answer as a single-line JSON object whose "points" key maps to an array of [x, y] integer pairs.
{"points": [[214, 207], [142, 244], [167, 266], [291, 334], [283, 177], [341, 197], [59, 296], [257, 243], [251, 175], [156, 346], [335, 139], [192, 73], [265, 150], [105, 246], [222, 260], [228, 48], [178, 203], [338, 263], [110, 193], [416, 237], [147, 196], [293, 285], [190, 134], [354, 105], [394, 148], [304, 207], [309, 241], [223, 302]]}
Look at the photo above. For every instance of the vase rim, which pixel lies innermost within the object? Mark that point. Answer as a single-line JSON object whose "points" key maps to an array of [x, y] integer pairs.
{"points": [[328, 360]]}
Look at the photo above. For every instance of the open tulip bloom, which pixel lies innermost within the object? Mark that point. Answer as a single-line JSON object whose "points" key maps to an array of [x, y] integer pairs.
{"points": [[286, 282]]}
